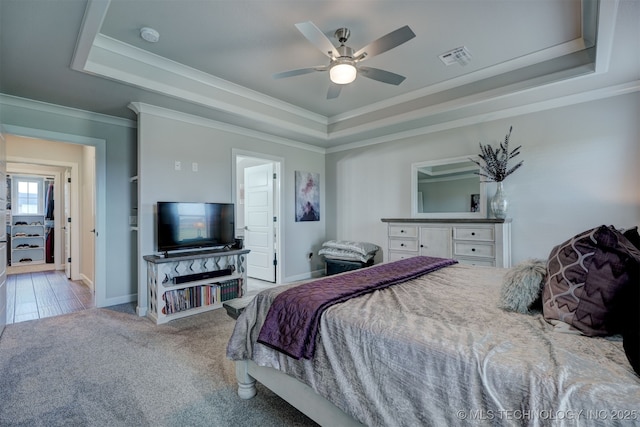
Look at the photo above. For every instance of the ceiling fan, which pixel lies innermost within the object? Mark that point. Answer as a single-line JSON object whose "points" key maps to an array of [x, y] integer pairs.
{"points": [[345, 63]]}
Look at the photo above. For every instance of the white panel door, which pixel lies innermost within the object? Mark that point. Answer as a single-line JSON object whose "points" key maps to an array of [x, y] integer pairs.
{"points": [[67, 223], [258, 222], [3, 234]]}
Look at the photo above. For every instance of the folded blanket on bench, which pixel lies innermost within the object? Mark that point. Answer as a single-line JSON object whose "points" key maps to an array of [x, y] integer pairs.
{"points": [[291, 325]]}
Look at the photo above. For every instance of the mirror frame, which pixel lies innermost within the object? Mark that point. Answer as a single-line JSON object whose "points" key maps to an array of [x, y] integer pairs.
{"points": [[482, 213]]}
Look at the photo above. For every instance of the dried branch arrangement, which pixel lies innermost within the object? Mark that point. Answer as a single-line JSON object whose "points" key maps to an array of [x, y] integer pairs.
{"points": [[495, 167]]}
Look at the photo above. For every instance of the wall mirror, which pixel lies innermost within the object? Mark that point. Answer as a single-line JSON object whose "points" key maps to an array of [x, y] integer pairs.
{"points": [[447, 188]]}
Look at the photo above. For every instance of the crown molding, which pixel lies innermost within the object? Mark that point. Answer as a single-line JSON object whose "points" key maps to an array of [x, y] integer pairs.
{"points": [[158, 62], [76, 113], [142, 108], [92, 20], [577, 98], [485, 73], [121, 62]]}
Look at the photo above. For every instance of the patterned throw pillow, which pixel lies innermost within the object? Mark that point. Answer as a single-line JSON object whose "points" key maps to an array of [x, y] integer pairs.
{"points": [[631, 327], [586, 276], [632, 235]]}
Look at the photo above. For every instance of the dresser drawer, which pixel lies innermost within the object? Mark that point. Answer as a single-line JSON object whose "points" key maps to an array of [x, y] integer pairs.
{"points": [[471, 249], [403, 231], [474, 233], [477, 261], [395, 256], [403, 245]]}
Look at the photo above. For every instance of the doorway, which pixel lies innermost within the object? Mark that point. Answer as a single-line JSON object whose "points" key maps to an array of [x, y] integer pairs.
{"points": [[30, 217], [77, 173], [256, 183]]}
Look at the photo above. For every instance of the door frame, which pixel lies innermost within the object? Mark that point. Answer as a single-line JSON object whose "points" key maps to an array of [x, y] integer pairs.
{"points": [[100, 261], [277, 196], [31, 166]]}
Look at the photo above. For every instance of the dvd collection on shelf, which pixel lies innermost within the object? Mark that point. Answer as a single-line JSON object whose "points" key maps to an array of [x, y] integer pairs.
{"points": [[198, 296]]}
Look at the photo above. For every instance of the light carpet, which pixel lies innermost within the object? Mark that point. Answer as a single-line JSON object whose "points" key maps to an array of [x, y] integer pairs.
{"points": [[109, 367]]}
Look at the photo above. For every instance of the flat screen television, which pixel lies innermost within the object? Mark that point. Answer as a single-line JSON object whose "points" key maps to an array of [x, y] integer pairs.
{"points": [[192, 225]]}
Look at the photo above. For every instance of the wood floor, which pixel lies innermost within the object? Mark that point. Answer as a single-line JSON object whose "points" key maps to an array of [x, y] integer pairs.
{"points": [[49, 293], [44, 294]]}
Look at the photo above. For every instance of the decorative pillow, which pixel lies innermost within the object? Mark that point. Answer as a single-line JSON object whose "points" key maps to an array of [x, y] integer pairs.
{"points": [[522, 286], [631, 326], [363, 248], [586, 276], [633, 236], [333, 253]]}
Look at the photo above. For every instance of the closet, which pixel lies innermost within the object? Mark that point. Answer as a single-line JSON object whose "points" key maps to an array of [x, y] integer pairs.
{"points": [[30, 220]]}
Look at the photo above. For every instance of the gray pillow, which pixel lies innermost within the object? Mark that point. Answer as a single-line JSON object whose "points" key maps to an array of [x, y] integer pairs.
{"points": [[333, 253], [363, 248], [522, 286]]}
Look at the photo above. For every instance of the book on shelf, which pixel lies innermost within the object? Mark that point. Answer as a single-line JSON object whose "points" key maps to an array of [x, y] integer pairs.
{"points": [[197, 296], [230, 289]]}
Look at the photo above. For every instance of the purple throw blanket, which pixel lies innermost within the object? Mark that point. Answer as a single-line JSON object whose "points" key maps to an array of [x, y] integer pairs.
{"points": [[291, 325]]}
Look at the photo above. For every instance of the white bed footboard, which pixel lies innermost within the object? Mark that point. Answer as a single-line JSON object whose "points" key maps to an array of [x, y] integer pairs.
{"points": [[299, 395]]}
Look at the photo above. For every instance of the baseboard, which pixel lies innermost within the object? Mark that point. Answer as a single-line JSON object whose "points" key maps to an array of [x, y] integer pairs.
{"points": [[29, 268], [87, 282], [120, 300], [306, 276]]}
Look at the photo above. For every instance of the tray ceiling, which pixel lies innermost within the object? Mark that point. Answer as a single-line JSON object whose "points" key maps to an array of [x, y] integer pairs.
{"points": [[215, 60]]}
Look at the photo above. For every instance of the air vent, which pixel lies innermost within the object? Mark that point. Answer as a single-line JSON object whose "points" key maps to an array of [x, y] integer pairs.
{"points": [[459, 55]]}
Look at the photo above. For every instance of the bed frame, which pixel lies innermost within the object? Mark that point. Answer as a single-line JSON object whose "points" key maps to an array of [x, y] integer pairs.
{"points": [[299, 395]]}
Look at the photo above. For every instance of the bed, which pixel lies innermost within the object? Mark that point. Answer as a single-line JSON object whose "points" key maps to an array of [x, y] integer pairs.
{"points": [[437, 350]]}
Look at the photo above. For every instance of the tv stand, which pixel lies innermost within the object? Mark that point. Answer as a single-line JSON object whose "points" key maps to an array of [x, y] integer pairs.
{"points": [[168, 301], [217, 250]]}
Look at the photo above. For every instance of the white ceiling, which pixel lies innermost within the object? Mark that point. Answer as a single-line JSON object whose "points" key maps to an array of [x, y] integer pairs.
{"points": [[216, 58]]}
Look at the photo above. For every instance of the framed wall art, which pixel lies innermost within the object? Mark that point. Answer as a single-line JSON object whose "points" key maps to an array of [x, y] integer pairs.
{"points": [[307, 196]]}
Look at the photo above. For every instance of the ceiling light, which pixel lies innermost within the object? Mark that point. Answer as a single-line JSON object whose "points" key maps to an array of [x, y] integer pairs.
{"points": [[342, 71], [149, 34]]}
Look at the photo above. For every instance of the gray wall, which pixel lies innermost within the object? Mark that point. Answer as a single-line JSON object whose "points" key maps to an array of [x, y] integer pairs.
{"points": [[580, 171], [165, 137]]}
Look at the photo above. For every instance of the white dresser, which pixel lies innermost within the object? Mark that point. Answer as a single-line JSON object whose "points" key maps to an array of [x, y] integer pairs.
{"points": [[470, 241]]}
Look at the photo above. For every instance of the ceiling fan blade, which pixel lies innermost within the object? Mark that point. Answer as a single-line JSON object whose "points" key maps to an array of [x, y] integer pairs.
{"points": [[317, 37], [299, 72], [385, 43], [334, 90], [381, 75]]}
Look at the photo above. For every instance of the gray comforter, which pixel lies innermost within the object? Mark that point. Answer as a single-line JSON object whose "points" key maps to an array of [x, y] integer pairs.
{"points": [[437, 351]]}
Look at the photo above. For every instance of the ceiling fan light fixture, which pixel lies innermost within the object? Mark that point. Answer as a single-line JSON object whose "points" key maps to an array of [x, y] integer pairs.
{"points": [[342, 72]]}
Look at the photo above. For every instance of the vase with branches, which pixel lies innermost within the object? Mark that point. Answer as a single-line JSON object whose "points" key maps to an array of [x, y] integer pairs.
{"points": [[494, 167]]}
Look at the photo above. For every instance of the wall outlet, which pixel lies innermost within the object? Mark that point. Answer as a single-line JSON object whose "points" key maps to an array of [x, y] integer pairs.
{"points": [[194, 167], [177, 165]]}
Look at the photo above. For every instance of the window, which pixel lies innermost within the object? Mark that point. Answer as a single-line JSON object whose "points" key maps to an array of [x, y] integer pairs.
{"points": [[28, 196]]}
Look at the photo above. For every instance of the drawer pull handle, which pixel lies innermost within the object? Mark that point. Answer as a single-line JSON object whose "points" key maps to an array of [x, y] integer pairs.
{"points": [[402, 231], [401, 244], [473, 249], [473, 234], [422, 246]]}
